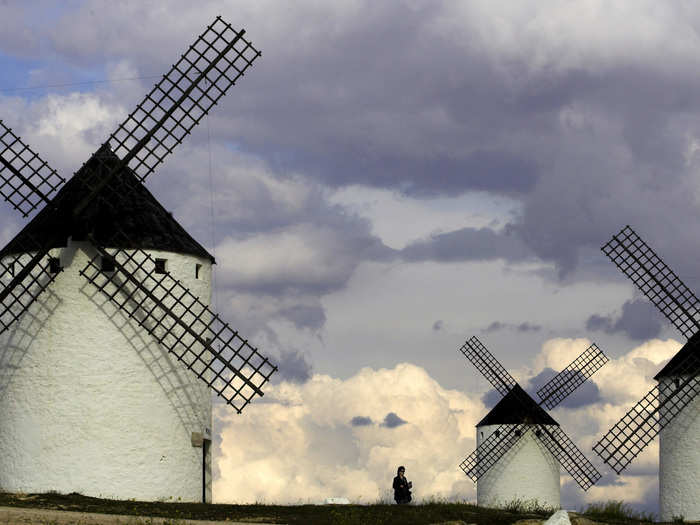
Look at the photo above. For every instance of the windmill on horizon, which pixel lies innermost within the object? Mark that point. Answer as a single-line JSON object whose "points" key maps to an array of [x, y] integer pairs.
{"points": [[108, 347], [520, 447], [670, 409]]}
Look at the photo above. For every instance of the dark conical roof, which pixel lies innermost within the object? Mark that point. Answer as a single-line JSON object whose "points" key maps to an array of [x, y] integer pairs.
{"points": [[517, 407], [675, 366], [140, 217]]}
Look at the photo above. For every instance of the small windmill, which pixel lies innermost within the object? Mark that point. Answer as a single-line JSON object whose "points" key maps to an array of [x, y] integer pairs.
{"points": [[672, 408], [520, 447], [108, 348]]}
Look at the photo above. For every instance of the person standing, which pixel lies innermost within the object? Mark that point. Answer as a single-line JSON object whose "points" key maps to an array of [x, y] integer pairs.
{"points": [[402, 487]]}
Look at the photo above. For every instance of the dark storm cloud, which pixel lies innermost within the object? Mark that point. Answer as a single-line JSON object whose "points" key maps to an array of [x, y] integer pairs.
{"points": [[639, 320], [500, 172], [528, 327], [292, 366], [586, 394], [392, 421], [305, 316], [360, 421], [467, 244], [498, 326], [588, 134]]}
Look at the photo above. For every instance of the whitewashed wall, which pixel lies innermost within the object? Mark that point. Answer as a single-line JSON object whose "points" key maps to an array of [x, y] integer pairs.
{"points": [[679, 461], [527, 472], [90, 404]]}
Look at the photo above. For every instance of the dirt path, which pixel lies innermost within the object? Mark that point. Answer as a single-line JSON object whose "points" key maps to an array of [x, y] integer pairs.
{"points": [[25, 516]]}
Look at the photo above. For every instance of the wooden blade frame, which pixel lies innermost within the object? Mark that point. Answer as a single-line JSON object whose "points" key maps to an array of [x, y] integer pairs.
{"points": [[27, 288], [640, 425], [26, 180], [572, 377], [488, 365], [182, 324], [655, 279], [492, 449], [217, 59], [569, 456]]}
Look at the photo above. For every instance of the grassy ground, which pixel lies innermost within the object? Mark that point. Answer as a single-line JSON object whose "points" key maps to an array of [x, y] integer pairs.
{"points": [[381, 513]]}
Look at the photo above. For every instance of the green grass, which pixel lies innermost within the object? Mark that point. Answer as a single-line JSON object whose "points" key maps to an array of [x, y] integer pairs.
{"points": [[380, 512]]}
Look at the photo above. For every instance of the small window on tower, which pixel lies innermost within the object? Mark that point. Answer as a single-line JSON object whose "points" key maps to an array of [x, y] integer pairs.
{"points": [[498, 433], [197, 270], [107, 263], [160, 265], [517, 432], [54, 265], [677, 382], [538, 432]]}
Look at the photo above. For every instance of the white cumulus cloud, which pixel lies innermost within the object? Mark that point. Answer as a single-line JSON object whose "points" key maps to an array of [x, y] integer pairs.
{"points": [[300, 444]]}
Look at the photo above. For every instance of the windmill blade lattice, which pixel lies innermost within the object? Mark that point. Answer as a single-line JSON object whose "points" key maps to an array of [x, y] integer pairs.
{"points": [[640, 425], [216, 60], [27, 288], [183, 325], [655, 279], [569, 456], [26, 180], [572, 377], [492, 449], [488, 365]]}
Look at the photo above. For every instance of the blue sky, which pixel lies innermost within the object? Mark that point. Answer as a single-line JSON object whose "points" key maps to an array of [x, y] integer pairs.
{"points": [[391, 179]]}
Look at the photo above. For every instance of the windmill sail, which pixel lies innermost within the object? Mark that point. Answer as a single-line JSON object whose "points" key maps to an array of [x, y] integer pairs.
{"points": [[488, 365], [569, 456], [28, 287], [492, 449], [182, 324], [216, 60], [26, 180], [640, 425], [655, 279], [573, 376]]}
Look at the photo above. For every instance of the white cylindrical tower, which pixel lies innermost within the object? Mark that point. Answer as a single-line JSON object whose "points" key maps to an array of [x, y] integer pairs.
{"points": [[527, 472], [89, 401], [679, 455]]}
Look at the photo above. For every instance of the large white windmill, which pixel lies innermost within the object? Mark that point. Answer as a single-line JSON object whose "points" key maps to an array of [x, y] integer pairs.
{"points": [[671, 408], [520, 447], [108, 348]]}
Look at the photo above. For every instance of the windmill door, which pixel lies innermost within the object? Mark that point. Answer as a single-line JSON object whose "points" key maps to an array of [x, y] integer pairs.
{"points": [[206, 469]]}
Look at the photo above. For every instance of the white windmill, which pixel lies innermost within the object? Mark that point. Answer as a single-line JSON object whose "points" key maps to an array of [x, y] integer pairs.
{"points": [[520, 447], [108, 349], [672, 408]]}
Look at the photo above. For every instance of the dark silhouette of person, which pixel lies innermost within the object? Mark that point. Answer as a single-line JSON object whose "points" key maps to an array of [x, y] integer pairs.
{"points": [[402, 487]]}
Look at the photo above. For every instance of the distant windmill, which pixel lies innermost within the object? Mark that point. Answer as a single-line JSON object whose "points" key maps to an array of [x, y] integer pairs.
{"points": [[672, 408], [108, 348], [519, 446]]}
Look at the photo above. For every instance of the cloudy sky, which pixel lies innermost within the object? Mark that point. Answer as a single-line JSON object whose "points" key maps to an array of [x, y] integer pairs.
{"points": [[388, 180]]}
